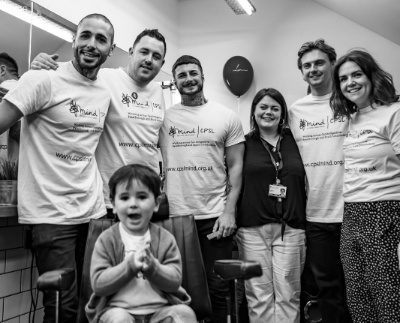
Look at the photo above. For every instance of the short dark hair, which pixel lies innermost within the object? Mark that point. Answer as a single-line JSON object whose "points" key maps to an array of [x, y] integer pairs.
{"points": [[101, 17], [186, 59], [278, 97], [153, 33], [318, 44], [7, 60], [382, 88], [142, 173]]}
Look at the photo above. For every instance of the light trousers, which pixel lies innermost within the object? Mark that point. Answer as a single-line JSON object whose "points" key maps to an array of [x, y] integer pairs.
{"points": [[169, 314], [275, 296]]}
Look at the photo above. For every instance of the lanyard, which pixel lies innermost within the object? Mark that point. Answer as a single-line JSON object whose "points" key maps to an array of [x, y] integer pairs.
{"points": [[278, 165]]}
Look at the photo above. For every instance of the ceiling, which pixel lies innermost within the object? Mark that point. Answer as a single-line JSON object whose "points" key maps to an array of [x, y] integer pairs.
{"points": [[379, 16]]}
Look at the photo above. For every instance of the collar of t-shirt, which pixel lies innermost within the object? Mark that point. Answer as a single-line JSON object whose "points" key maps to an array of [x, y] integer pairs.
{"points": [[321, 98], [133, 243]]}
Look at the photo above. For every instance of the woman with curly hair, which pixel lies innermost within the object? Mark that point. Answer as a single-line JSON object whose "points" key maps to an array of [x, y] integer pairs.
{"points": [[365, 94]]}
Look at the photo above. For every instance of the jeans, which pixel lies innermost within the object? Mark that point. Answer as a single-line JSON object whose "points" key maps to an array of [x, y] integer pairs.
{"points": [[275, 296], [212, 250], [56, 247], [172, 314], [323, 241]]}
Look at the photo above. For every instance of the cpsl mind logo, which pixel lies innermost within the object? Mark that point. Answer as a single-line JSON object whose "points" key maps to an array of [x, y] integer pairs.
{"points": [[172, 131], [302, 125], [78, 111]]}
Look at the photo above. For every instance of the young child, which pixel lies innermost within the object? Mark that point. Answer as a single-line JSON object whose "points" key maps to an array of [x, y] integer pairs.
{"points": [[136, 269]]}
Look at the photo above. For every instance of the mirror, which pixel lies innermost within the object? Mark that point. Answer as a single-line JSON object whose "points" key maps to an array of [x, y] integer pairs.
{"points": [[16, 42], [15, 39]]}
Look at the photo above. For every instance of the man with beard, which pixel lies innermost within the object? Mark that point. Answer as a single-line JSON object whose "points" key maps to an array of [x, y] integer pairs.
{"points": [[59, 185], [202, 148], [137, 107], [320, 137]]}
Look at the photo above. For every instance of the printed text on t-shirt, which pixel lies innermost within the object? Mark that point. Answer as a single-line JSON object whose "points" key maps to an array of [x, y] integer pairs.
{"points": [[321, 123], [133, 99], [189, 168], [325, 163], [175, 131], [72, 157]]}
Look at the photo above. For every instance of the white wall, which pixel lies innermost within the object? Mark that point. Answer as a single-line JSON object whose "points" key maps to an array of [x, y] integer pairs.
{"points": [[129, 18], [269, 39]]}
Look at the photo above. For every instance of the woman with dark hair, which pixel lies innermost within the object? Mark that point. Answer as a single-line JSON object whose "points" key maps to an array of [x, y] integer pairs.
{"points": [[365, 94], [271, 212]]}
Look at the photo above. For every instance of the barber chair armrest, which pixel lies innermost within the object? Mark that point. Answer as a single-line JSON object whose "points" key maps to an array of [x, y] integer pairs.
{"points": [[229, 269], [60, 279]]}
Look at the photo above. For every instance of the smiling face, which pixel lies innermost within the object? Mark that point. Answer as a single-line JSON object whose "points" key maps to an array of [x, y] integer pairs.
{"points": [[134, 204], [354, 84], [317, 70], [91, 45], [189, 79], [146, 59], [267, 114]]}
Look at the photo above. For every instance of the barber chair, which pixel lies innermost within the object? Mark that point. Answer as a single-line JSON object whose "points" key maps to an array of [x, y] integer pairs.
{"points": [[233, 270], [184, 230], [309, 307], [57, 281]]}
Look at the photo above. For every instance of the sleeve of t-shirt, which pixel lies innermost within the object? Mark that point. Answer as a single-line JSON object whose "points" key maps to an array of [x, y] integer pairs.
{"points": [[32, 92], [235, 134], [393, 129]]}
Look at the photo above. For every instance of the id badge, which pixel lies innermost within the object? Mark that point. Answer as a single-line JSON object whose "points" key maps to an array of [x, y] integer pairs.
{"points": [[277, 190]]}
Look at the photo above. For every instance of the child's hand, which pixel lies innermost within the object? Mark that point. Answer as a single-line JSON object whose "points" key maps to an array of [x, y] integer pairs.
{"points": [[136, 260], [149, 261]]}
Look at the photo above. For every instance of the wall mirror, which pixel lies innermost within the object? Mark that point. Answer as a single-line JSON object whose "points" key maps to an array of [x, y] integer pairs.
{"points": [[23, 40]]}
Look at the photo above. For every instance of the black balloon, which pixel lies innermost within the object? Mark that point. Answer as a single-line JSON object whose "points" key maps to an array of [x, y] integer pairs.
{"points": [[238, 75]]}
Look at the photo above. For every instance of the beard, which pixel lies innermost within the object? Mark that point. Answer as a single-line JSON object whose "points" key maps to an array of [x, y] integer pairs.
{"points": [[86, 62], [199, 88]]}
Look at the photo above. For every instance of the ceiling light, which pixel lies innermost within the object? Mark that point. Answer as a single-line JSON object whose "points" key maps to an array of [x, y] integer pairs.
{"points": [[31, 17], [240, 7]]}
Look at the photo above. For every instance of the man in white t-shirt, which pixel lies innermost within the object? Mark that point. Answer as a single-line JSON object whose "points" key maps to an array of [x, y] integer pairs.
{"points": [[320, 137], [59, 185], [202, 147], [137, 107], [8, 80]]}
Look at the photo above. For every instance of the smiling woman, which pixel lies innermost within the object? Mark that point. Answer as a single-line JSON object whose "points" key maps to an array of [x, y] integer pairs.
{"points": [[271, 211], [370, 236]]}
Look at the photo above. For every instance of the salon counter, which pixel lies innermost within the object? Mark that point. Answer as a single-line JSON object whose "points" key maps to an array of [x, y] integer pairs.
{"points": [[8, 211]]}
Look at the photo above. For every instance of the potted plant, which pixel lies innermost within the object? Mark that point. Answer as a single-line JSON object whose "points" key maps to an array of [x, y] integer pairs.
{"points": [[8, 183]]}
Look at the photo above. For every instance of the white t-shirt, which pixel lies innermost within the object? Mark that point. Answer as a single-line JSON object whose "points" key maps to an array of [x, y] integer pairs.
{"points": [[138, 296], [193, 142], [320, 138], [372, 169], [8, 146], [132, 125], [58, 179]]}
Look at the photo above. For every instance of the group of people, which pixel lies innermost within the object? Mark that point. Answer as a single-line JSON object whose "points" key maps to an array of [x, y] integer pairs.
{"points": [[320, 179], [327, 188]]}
